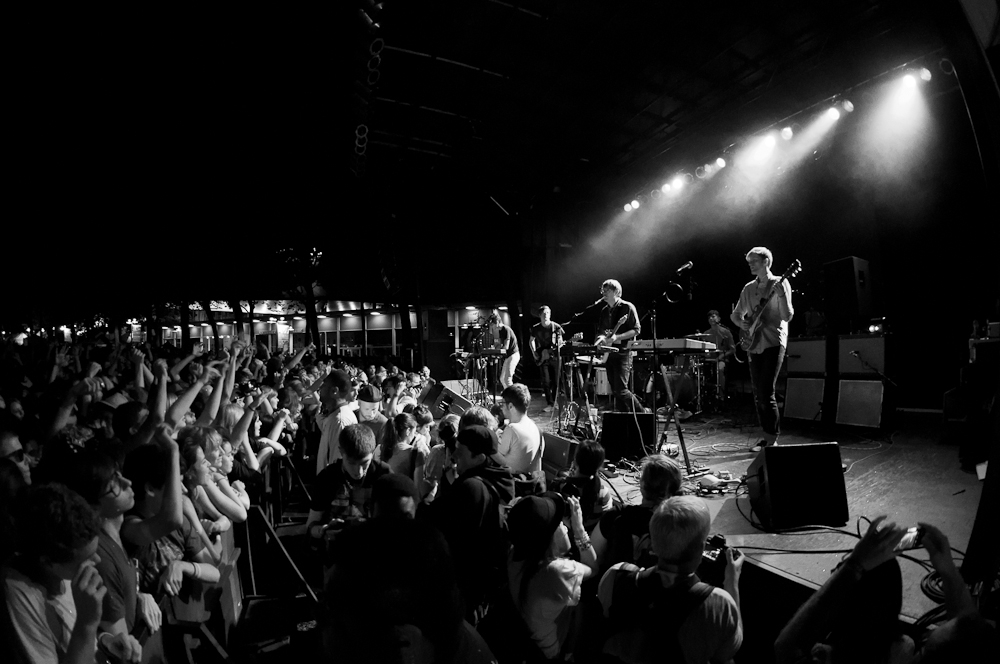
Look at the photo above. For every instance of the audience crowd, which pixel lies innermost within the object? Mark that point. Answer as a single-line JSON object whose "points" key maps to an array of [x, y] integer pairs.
{"points": [[441, 539]]}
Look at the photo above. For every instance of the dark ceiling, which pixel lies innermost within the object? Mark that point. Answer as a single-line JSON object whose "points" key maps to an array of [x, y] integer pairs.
{"points": [[522, 101], [159, 160]]}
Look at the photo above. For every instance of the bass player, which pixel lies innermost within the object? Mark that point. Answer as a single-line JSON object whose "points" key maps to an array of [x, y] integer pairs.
{"points": [[544, 342], [618, 323], [767, 349]]}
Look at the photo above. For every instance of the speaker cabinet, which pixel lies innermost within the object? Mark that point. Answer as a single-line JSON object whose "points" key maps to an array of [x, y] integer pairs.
{"points": [[806, 356], [861, 354], [558, 453], [441, 401], [628, 435], [860, 403], [798, 485], [804, 398]]}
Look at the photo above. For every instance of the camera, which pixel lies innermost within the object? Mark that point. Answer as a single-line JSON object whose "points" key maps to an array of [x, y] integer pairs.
{"points": [[713, 560], [913, 539]]}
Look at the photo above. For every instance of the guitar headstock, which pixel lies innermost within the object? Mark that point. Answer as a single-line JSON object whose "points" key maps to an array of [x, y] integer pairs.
{"points": [[792, 270], [577, 337]]}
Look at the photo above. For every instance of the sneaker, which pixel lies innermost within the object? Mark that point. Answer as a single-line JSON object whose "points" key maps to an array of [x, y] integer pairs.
{"points": [[547, 409], [761, 444]]}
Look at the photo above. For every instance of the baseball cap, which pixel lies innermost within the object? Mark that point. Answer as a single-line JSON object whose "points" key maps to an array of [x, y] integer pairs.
{"points": [[370, 394]]}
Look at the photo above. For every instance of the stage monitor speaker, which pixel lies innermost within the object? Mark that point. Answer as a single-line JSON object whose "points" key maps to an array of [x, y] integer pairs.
{"points": [[806, 356], [798, 485], [558, 453], [804, 398], [442, 401], [860, 403], [628, 435]]}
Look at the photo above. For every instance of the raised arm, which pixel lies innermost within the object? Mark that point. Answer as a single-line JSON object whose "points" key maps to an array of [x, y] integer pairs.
{"points": [[957, 600], [171, 514], [813, 618], [139, 376], [157, 410], [183, 403], [175, 371], [212, 407]]}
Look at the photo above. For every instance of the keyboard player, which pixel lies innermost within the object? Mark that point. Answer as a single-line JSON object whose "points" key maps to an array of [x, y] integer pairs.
{"points": [[619, 365]]}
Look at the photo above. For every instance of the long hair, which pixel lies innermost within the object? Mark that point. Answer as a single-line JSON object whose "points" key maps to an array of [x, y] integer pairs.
{"points": [[396, 434]]}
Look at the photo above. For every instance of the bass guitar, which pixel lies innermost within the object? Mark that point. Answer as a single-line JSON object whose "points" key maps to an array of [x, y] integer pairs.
{"points": [[750, 336], [546, 354], [607, 335]]}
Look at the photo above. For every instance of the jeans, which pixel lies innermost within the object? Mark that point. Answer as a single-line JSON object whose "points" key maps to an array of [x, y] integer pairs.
{"points": [[764, 368], [508, 369], [548, 370], [619, 366]]}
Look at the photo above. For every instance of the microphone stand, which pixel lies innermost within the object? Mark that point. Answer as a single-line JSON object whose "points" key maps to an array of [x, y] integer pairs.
{"points": [[671, 407], [860, 359]]}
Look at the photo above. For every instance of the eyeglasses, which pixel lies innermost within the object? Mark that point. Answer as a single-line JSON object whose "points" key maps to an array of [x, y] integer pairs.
{"points": [[117, 486], [17, 456]]}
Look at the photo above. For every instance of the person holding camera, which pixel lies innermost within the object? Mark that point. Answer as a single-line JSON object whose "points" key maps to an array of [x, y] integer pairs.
{"points": [[664, 613], [343, 490], [854, 616]]}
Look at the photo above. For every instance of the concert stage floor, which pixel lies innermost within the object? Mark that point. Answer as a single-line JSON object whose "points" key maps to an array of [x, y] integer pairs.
{"points": [[909, 475]]}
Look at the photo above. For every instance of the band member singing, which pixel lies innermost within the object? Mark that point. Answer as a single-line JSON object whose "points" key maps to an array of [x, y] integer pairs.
{"points": [[500, 335], [544, 342], [617, 332], [723, 339], [768, 350]]}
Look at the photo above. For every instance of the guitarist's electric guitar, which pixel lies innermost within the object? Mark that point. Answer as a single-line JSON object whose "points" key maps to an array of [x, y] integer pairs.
{"points": [[603, 339], [546, 354], [750, 336]]}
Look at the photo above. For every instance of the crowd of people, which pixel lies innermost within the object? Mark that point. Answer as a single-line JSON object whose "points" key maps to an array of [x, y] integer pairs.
{"points": [[441, 538]]}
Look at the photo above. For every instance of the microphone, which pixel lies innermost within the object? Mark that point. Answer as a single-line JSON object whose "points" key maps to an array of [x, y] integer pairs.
{"points": [[686, 266], [595, 303]]}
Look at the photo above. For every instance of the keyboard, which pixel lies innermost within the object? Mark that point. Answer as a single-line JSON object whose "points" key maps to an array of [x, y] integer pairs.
{"points": [[671, 344]]}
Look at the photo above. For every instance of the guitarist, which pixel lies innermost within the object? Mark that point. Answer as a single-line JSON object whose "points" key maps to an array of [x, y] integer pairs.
{"points": [[767, 351], [619, 365], [544, 343]]}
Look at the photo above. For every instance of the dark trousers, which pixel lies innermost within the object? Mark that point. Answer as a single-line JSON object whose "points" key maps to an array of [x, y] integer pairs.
{"points": [[548, 369], [764, 369], [619, 366]]}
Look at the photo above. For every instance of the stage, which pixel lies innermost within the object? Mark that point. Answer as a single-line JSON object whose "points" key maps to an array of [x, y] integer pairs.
{"points": [[908, 474]]}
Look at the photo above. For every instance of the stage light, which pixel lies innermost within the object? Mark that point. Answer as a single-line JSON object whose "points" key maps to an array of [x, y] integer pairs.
{"points": [[628, 207], [677, 183], [321, 317], [786, 133], [665, 188], [701, 172], [296, 317], [471, 308], [848, 106], [720, 162], [655, 194], [502, 307], [375, 313], [925, 74], [909, 81], [346, 315], [833, 113], [635, 205]]}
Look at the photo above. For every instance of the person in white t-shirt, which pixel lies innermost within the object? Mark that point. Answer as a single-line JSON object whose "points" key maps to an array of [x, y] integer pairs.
{"points": [[521, 443], [336, 413]]}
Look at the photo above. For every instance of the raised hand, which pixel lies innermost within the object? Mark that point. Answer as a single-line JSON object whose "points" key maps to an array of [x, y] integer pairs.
{"points": [[87, 387], [93, 369], [198, 349], [878, 544], [88, 594], [161, 369], [936, 543], [62, 359], [137, 356]]}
